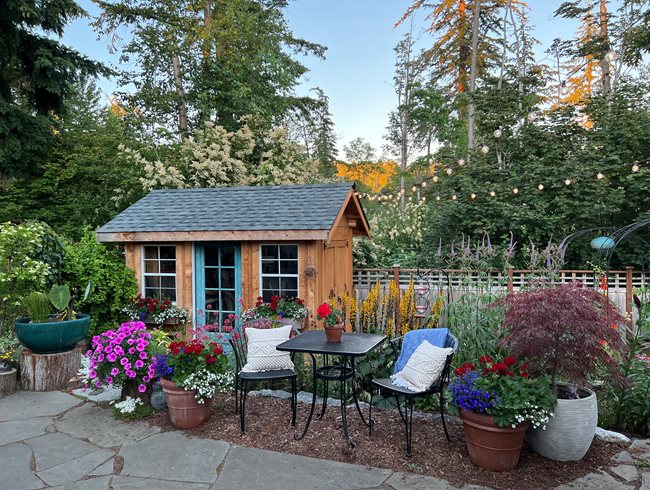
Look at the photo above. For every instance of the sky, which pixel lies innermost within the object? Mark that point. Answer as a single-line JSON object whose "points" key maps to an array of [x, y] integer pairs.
{"points": [[358, 70]]}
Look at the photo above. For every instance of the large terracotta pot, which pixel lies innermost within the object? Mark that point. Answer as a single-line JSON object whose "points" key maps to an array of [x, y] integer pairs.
{"points": [[334, 333], [52, 337], [490, 446], [184, 409], [569, 433]]}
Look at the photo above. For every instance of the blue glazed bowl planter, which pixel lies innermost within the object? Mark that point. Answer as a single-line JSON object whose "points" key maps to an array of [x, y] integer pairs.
{"points": [[52, 337]]}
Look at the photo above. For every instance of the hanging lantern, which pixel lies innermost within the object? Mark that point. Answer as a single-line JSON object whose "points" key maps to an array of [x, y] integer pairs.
{"points": [[485, 149], [602, 243]]}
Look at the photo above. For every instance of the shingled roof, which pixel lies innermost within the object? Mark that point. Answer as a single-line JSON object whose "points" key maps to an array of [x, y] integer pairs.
{"points": [[291, 207]]}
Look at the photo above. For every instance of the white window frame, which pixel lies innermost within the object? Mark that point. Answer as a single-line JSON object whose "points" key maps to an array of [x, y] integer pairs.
{"points": [[158, 274], [279, 275]]}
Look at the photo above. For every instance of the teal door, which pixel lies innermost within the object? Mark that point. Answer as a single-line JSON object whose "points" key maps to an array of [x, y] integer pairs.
{"points": [[218, 282]]}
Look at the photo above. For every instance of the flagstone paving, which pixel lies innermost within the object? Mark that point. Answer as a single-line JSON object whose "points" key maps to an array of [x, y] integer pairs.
{"points": [[55, 440]]}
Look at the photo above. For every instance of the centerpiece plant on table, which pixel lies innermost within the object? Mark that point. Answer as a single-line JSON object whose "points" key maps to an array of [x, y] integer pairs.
{"points": [[192, 372], [498, 400], [569, 333], [291, 310], [333, 321]]}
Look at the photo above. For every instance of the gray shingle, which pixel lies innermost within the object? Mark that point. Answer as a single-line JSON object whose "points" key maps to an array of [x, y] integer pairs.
{"points": [[291, 207]]}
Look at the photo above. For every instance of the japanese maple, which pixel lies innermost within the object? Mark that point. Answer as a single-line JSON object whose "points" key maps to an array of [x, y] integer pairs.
{"points": [[567, 331]]}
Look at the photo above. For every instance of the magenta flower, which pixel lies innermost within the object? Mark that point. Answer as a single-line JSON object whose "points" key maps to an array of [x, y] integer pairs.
{"points": [[130, 374], [143, 355], [142, 388], [92, 374], [124, 361], [100, 357], [115, 371], [108, 349], [131, 350], [146, 379], [139, 364], [112, 357], [109, 380]]}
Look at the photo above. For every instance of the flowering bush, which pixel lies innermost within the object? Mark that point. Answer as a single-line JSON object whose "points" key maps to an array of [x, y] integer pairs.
{"points": [[330, 316], [503, 390], [121, 355], [156, 309], [195, 365], [277, 308]]}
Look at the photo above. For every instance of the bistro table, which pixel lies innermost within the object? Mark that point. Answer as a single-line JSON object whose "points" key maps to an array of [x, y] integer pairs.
{"points": [[352, 345]]}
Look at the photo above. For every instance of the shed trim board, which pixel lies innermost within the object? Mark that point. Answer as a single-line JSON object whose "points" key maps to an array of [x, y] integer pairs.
{"points": [[212, 236]]}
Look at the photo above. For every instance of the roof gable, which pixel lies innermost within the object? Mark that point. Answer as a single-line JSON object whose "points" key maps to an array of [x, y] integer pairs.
{"points": [[231, 209]]}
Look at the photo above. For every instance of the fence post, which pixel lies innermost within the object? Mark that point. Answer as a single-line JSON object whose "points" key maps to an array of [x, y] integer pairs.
{"points": [[397, 298], [629, 291], [510, 274]]}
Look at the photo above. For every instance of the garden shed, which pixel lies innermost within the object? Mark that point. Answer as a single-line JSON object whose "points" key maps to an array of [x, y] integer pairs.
{"points": [[211, 249]]}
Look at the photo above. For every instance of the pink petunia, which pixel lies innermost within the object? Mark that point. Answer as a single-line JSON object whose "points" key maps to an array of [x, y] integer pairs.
{"points": [[127, 366], [130, 374], [109, 380], [139, 364], [100, 358], [92, 374], [146, 379], [124, 361], [142, 388], [112, 357], [141, 347], [115, 371], [143, 355], [131, 350], [108, 349]]}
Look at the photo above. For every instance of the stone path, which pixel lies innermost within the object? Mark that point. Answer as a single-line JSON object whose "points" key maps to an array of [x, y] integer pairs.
{"points": [[54, 440]]}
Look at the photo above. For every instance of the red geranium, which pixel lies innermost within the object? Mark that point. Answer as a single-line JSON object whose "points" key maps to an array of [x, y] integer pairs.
{"points": [[486, 360], [509, 361], [324, 311]]}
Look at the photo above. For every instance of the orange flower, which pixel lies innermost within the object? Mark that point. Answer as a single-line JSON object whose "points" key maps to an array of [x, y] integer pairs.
{"points": [[613, 326], [603, 342]]}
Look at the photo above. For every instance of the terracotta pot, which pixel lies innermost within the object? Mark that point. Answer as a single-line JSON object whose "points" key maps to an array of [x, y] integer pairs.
{"points": [[490, 446], [334, 333], [184, 409]]}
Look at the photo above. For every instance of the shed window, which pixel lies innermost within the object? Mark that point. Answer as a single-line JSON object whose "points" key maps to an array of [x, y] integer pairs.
{"points": [[159, 271], [279, 271]]}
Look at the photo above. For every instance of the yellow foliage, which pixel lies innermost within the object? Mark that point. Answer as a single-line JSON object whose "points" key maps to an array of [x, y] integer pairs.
{"points": [[407, 309], [373, 175], [436, 309], [349, 305]]}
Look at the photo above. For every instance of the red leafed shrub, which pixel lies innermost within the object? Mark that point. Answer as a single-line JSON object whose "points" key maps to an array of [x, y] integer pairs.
{"points": [[566, 332]]}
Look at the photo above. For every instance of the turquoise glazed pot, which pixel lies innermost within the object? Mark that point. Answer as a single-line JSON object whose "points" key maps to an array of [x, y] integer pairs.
{"points": [[52, 337]]}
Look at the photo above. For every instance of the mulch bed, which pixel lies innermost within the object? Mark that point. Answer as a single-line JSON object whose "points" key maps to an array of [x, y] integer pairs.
{"points": [[268, 427]]}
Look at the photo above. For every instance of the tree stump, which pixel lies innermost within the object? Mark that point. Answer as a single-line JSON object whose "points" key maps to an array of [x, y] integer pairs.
{"points": [[49, 372], [7, 382]]}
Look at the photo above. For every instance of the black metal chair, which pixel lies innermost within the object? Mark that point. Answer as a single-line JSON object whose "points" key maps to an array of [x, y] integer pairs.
{"points": [[239, 346], [385, 386]]}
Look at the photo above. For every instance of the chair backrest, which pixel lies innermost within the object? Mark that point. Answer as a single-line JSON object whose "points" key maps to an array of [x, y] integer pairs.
{"points": [[238, 336], [412, 340]]}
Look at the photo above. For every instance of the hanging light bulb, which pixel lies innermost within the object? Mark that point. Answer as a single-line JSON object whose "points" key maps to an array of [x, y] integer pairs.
{"points": [[435, 178], [600, 176], [515, 191], [424, 198], [472, 196], [492, 193], [454, 197], [413, 188], [424, 184], [540, 187], [461, 162], [449, 171], [410, 198], [498, 133], [567, 182], [390, 196], [485, 149], [531, 116], [610, 56], [564, 90], [635, 168], [437, 198]]}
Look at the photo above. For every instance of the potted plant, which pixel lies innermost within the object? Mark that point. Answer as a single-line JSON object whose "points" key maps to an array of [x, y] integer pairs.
{"points": [[290, 310], [498, 401], [155, 311], [191, 373], [9, 354], [44, 332], [567, 332], [333, 320], [123, 358]]}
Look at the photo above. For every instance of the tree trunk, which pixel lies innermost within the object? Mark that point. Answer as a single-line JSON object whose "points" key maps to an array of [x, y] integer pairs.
{"points": [[520, 67], [604, 63], [182, 108], [49, 372], [472, 76], [7, 382]]}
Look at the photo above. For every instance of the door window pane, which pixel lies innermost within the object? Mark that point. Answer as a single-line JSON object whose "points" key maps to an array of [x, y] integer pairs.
{"points": [[228, 301], [211, 254], [289, 283], [228, 278], [211, 278], [228, 256], [151, 266]]}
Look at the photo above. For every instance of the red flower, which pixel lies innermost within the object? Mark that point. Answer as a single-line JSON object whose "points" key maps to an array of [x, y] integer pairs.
{"points": [[524, 374], [486, 359], [210, 359], [500, 368], [509, 361], [464, 369], [324, 310], [300, 301], [218, 350]]}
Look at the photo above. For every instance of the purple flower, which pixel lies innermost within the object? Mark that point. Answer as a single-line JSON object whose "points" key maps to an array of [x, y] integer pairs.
{"points": [[131, 350], [139, 364], [143, 355], [124, 361], [108, 349], [112, 357], [142, 388], [92, 374], [141, 347], [130, 374], [100, 357], [115, 371], [109, 380]]}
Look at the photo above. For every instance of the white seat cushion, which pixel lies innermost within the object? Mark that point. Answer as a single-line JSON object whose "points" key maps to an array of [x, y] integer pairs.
{"points": [[262, 354], [423, 368]]}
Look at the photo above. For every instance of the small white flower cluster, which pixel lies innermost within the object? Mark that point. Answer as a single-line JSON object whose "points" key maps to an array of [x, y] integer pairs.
{"points": [[172, 312], [537, 416], [128, 405], [207, 384]]}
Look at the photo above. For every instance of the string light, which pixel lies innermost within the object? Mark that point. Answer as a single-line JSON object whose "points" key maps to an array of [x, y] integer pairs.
{"points": [[498, 133], [437, 198], [461, 162], [472, 196], [600, 176], [449, 171], [610, 56], [635, 168], [454, 197], [564, 90], [567, 182], [540, 187], [424, 184], [492, 193], [435, 178], [413, 188], [515, 191], [410, 198], [424, 198], [485, 149]]}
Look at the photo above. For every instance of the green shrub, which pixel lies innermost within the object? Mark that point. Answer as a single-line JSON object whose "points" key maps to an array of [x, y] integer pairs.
{"points": [[113, 283]]}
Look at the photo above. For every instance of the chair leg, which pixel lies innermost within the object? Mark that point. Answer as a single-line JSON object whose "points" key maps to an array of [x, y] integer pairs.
{"points": [[370, 413], [442, 416], [242, 406], [294, 402], [408, 412], [236, 393]]}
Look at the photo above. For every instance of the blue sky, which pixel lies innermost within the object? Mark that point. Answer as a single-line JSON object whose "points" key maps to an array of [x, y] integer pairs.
{"points": [[358, 70]]}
